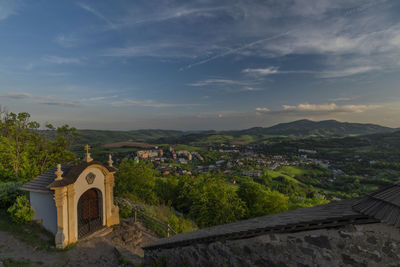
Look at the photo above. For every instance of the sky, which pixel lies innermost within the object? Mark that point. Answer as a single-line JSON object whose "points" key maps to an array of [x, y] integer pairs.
{"points": [[200, 65]]}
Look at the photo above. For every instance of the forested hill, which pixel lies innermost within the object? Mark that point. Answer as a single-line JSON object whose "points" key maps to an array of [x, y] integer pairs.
{"points": [[300, 128], [104, 137], [305, 128]]}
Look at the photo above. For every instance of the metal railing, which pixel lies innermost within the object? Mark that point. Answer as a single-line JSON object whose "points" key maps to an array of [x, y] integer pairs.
{"points": [[154, 223]]}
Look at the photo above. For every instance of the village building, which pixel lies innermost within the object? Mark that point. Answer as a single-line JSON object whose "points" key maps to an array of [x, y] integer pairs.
{"points": [[74, 201]]}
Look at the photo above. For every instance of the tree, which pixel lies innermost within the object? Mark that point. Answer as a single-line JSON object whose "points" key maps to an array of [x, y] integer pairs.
{"points": [[136, 180], [209, 200], [260, 200], [25, 152]]}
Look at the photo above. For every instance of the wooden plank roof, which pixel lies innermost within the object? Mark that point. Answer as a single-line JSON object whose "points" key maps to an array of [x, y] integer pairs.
{"points": [[44, 181], [383, 204], [40, 182], [323, 216]]}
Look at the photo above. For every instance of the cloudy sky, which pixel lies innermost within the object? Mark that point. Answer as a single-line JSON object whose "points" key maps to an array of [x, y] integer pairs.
{"points": [[202, 64]]}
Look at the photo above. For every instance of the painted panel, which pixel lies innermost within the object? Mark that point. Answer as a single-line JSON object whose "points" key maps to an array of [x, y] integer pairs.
{"points": [[45, 209]]}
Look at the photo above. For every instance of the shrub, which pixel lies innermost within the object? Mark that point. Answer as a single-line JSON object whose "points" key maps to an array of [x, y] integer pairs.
{"points": [[21, 211], [9, 193]]}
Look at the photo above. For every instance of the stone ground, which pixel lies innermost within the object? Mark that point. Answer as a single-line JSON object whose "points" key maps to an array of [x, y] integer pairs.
{"points": [[124, 241]]}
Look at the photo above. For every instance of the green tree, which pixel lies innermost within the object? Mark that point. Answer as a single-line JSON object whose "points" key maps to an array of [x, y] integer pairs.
{"points": [[209, 200], [260, 200], [136, 180], [25, 152]]}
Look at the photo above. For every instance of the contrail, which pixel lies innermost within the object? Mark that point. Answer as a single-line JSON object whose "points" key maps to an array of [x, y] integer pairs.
{"points": [[231, 51]]}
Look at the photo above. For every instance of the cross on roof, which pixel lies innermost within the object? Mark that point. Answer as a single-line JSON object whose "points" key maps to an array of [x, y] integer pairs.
{"points": [[87, 157], [87, 147]]}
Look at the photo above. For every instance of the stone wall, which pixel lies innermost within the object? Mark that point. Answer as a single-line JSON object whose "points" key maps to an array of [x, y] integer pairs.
{"points": [[352, 245]]}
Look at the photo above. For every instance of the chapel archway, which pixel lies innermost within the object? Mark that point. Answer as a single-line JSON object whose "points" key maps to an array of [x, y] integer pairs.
{"points": [[90, 212]]}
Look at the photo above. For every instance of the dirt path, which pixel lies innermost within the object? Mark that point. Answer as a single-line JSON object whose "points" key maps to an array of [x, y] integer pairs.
{"points": [[126, 240]]}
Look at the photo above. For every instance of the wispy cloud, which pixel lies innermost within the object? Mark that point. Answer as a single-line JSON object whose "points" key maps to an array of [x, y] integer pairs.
{"points": [[236, 50], [61, 60], [149, 103], [263, 110], [214, 82], [173, 13], [348, 71], [65, 40], [45, 100], [321, 74], [8, 8], [97, 14], [332, 108], [57, 101], [263, 72]]}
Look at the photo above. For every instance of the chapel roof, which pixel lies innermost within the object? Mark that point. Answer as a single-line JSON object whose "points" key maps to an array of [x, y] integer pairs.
{"points": [[44, 181]]}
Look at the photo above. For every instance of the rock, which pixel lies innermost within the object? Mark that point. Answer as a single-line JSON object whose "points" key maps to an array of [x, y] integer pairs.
{"points": [[319, 241], [349, 260], [372, 240]]}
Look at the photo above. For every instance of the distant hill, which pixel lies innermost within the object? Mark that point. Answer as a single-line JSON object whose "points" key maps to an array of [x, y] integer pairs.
{"points": [[308, 128], [104, 137], [295, 129]]}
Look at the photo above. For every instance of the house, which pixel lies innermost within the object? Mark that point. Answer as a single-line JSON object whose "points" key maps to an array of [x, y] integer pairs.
{"points": [[74, 201]]}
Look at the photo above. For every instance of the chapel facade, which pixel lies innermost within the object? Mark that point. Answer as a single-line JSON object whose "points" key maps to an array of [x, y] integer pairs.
{"points": [[74, 201]]}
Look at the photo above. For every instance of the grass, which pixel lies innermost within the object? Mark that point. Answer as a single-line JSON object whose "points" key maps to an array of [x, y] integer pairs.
{"points": [[31, 233], [275, 174], [8, 262]]}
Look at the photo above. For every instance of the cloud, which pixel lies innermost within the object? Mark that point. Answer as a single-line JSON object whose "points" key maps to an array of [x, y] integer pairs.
{"points": [[45, 100], [214, 82], [331, 108], [262, 110], [149, 103], [341, 99], [16, 95], [61, 60], [262, 72], [167, 49], [166, 14], [348, 71], [66, 40], [8, 8], [97, 14]]}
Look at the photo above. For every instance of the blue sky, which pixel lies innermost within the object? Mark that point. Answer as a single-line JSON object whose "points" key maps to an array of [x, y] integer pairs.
{"points": [[195, 65]]}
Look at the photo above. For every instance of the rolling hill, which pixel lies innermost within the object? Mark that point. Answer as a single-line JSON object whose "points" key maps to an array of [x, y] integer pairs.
{"points": [[306, 128]]}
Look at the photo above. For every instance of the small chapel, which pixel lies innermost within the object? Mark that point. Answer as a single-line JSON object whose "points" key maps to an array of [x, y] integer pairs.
{"points": [[73, 201]]}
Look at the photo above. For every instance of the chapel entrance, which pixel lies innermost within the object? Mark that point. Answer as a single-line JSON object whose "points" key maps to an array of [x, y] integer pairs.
{"points": [[90, 217]]}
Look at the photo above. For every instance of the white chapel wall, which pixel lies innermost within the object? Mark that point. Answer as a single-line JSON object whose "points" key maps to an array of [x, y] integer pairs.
{"points": [[81, 186], [45, 209]]}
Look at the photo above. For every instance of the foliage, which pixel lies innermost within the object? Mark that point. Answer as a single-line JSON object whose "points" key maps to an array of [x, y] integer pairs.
{"points": [[25, 153], [9, 193], [136, 178], [260, 200], [209, 200], [21, 211]]}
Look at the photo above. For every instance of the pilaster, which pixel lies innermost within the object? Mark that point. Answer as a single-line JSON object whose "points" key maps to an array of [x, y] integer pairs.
{"points": [[60, 198], [72, 213], [111, 212]]}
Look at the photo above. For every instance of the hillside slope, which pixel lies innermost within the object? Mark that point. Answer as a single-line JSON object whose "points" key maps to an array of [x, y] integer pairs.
{"points": [[304, 128]]}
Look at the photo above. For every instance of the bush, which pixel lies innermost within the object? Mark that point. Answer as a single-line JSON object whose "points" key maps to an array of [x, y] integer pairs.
{"points": [[9, 193], [21, 211]]}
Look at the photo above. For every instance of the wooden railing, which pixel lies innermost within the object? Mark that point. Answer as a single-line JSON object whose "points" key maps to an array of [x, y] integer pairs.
{"points": [[158, 226]]}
